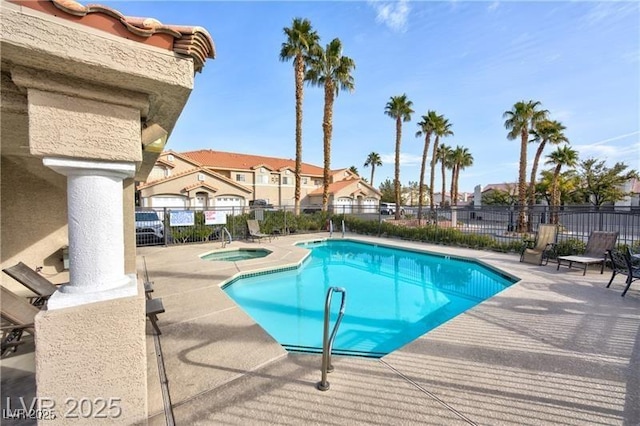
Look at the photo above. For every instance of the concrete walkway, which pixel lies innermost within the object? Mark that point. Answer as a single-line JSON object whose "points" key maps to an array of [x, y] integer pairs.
{"points": [[555, 348]]}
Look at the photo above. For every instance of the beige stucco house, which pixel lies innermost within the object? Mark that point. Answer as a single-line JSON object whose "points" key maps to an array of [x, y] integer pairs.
{"points": [[206, 178], [89, 97]]}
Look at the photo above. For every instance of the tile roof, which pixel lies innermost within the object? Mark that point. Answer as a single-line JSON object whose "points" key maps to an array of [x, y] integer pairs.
{"points": [[191, 41], [235, 161], [507, 187], [192, 171], [335, 186]]}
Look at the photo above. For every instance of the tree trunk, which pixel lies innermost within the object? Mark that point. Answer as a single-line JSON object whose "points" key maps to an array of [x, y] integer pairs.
{"points": [[555, 196], [433, 171], [327, 128], [299, 77], [425, 152], [522, 182], [373, 169], [444, 182], [534, 171], [453, 181], [397, 174]]}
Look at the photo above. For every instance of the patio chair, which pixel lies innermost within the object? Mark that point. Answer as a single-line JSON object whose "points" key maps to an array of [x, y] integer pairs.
{"points": [[543, 247], [621, 264], [595, 252], [40, 285], [33, 281], [254, 230], [20, 313]]}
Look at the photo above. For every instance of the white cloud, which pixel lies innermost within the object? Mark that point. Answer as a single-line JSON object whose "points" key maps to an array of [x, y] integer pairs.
{"points": [[493, 6], [393, 14], [405, 159]]}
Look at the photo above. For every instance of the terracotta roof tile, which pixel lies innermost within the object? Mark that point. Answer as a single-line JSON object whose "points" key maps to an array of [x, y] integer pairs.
{"points": [[334, 187], [200, 185], [194, 170], [192, 41], [235, 161]]}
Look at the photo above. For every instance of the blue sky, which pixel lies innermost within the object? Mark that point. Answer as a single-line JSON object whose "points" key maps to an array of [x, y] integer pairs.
{"points": [[470, 61]]}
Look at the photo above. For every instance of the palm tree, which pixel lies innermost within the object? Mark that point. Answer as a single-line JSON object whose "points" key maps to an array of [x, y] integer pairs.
{"points": [[373, 160], [330, 69], [444, 156], [550, 131], [462, 159], [442, 129], [426, 127], [562, 156], [301, 39], [354, 169], [520, 120], [398, 108]]}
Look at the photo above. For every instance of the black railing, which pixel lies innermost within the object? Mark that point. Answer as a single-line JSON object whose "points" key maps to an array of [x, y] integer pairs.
{"points": [[179, 225]]}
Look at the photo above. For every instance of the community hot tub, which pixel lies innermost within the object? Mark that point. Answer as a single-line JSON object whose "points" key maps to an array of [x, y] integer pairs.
{"points": [[235, 255]]}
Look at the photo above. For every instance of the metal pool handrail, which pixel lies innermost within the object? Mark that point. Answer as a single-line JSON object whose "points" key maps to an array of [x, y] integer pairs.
{"points": [[327, 341], [224, 231]]}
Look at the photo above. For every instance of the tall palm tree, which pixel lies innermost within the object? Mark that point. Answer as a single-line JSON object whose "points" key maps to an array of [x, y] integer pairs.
{"points": [[444, 156], [562, 156], [462, 159], [398, 108], [373, 160], [330, 69], [520, 120], [442, 129], [301, 39], [545, 131], [426, 126]]}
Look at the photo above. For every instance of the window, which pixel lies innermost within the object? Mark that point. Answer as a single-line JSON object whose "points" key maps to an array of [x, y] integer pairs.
{"points": [[170, 157], [201, 177], [305, 181], [167, 172], [286, 180], [239, 177], [317, 182], [262, 179]]}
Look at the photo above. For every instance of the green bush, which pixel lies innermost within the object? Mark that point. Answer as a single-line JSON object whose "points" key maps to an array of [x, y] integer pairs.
{"points": [[570, 246]]}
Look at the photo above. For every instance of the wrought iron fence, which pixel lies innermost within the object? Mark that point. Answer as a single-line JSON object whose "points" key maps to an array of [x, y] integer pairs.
{"points": [[178, 225]]}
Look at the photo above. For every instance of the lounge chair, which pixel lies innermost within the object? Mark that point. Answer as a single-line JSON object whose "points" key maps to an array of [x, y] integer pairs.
{"points": [[20, 313], [595, 252], [254, 230], [621, 264], [33, 281], [40, 285], [543, 247]]}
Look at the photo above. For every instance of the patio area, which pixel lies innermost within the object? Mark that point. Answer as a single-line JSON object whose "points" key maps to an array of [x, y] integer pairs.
{"points": [[554, 348]]}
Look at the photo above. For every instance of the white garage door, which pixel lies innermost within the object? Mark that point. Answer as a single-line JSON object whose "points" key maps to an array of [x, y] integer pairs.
{"points": [[229, 201], [164, 201], [343, 205], [369, 205]]}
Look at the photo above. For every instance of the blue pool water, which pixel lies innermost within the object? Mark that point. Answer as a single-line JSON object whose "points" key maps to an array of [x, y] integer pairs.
{"points": [[393, 296]]}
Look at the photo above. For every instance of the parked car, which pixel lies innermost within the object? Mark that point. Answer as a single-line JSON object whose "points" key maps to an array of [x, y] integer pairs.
{"points": [[260, 204], [390, 209], [149, 227]]}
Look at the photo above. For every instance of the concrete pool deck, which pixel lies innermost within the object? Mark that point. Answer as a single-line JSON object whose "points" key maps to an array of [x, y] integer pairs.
{"points": [[554, 348]]}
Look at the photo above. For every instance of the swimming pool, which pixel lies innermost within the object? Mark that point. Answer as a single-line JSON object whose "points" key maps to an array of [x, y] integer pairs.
{"points": [[393, 296]]}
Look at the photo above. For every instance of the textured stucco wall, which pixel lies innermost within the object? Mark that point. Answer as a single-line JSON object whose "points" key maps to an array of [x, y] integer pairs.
{"points": [[61, 125], [97, 352], [94, 55], [33, 215]]}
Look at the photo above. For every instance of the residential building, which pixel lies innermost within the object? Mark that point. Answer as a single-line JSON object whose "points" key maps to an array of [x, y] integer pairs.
{"points": [[207, 178]]}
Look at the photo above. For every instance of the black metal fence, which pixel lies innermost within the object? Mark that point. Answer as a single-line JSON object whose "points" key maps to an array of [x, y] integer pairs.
{"points": [[178, 226]]}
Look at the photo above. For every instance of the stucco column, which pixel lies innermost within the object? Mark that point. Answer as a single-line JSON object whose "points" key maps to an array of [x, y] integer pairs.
{"points": [[96, 240]]}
